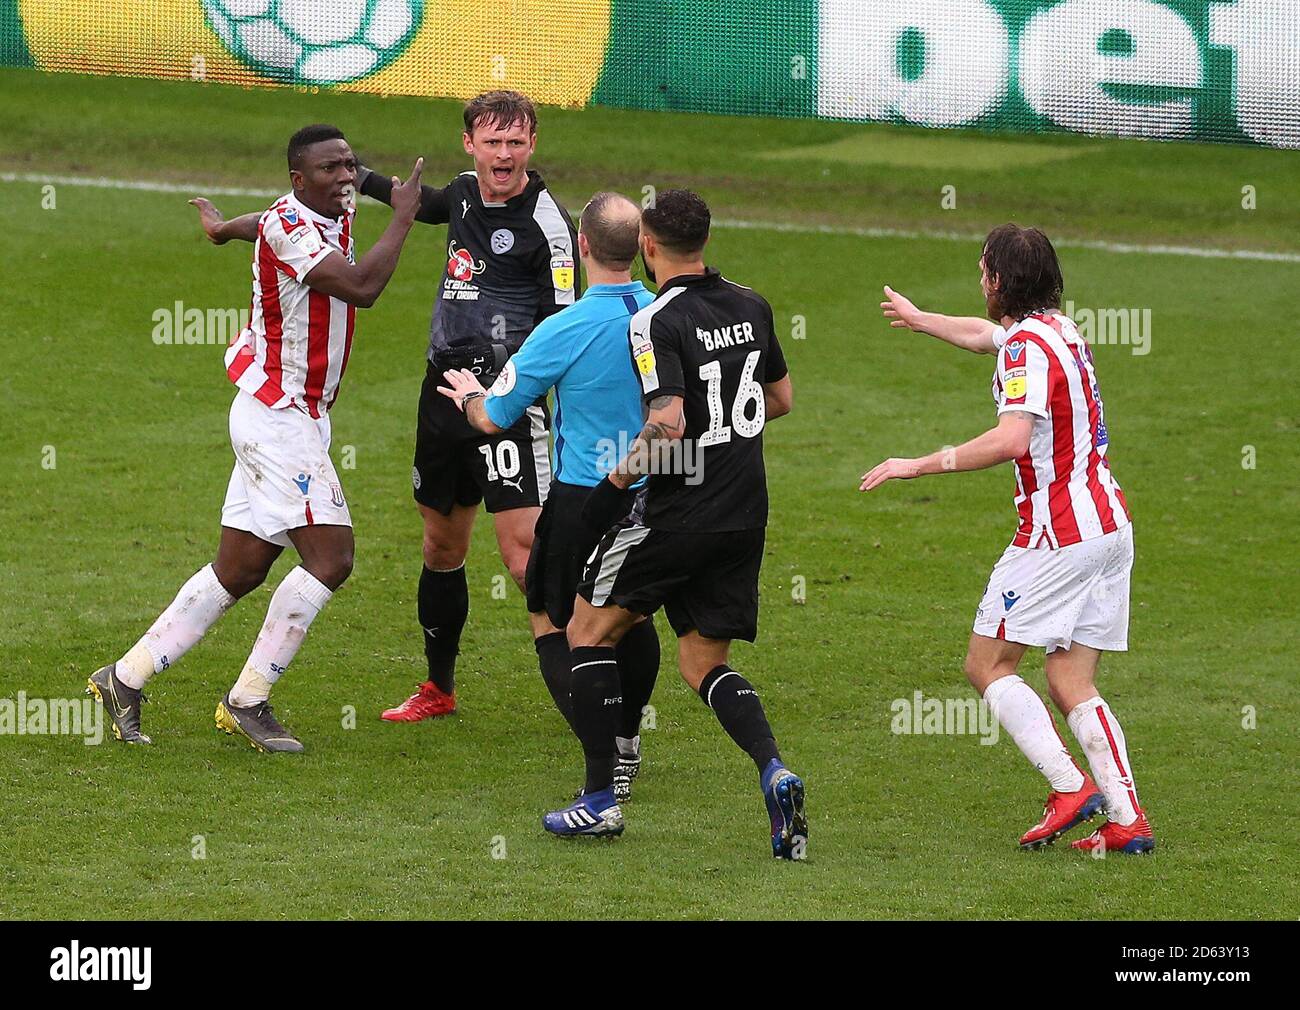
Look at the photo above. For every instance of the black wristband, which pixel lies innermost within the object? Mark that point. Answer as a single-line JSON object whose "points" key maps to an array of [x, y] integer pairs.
{"points": [[606, 504]]}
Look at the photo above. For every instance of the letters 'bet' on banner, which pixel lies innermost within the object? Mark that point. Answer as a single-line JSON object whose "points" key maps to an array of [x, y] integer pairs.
{"points": [[1213, 70]]}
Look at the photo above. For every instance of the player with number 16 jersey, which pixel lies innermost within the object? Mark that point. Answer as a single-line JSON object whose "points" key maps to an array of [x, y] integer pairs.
{"points": [[712, 374], [715, 348]]}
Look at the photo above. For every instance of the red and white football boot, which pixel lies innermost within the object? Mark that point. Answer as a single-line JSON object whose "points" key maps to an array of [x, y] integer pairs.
{"points": [[1062, 811], [1134, 839], [429, 702]]}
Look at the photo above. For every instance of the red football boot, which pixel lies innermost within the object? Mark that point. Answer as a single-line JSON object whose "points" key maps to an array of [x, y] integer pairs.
{"points": [[429, 702], [1134, 839], [1062, 811]]}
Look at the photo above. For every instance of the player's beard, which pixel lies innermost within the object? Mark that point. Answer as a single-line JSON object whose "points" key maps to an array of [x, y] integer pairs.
{"points": [[645, 265], [993, 307]]}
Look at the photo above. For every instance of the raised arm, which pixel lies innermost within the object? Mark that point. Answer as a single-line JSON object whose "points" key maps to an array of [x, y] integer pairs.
{"points": [[970, 333], [434, 203], [361, 283], [220, 231]]}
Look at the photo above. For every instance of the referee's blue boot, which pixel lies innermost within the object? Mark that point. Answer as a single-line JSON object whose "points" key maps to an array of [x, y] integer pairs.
{"points": [[783, 793], [597, 814]]}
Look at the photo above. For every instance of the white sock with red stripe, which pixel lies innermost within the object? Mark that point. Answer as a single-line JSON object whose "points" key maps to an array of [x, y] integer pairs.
{"points": [[294, 605], [1095, 727], [1022, 714], [178, 628]]}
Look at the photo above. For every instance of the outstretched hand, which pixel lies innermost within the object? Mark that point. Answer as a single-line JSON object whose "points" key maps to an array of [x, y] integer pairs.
{"points": [[890, 469], [900, 311], [460, 383], [210, 219]]}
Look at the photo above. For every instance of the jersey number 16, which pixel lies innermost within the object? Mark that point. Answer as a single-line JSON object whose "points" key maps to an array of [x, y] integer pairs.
{"points": [[748, 391]]}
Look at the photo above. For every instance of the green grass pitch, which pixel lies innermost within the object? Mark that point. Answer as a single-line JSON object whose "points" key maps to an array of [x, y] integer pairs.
{"points": [[382, 821]]}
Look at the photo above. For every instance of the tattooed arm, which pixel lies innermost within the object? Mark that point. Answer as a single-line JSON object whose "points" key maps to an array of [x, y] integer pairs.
{"points": [[664, 427]]}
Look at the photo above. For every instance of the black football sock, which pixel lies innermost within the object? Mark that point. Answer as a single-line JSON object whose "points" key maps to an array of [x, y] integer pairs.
{"points": [[735, 702], [638, 668], [443, 608], [594, 693], [557, 671]]}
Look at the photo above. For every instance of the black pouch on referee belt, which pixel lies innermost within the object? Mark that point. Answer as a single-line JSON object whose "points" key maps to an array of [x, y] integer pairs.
{"points": [[484, 360]]}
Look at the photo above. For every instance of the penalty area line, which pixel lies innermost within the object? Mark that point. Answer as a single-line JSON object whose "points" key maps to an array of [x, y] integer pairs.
{"points": [[785, 227]]}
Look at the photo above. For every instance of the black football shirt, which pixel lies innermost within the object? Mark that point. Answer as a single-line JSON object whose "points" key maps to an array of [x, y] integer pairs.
{"points": [[713, 343], [509, 265]]}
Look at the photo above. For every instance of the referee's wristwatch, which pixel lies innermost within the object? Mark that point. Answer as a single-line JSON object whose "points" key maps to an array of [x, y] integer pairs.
{"points": [[473, 395]]}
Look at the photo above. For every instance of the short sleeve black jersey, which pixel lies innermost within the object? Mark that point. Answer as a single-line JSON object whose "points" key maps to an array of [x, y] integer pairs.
{"points": [[713, 343], [509, 265]]}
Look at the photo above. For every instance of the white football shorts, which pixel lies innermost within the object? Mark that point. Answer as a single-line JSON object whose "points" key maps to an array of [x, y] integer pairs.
{"points": [[1050, 598], [283, 478]]}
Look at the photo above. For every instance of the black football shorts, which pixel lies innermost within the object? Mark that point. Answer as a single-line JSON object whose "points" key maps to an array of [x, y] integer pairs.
{"points": [[457, 465], [707, 582], [562, 543]]}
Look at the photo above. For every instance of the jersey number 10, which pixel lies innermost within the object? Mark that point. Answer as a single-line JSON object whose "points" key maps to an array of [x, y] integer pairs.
{"points": [[747, 392]]}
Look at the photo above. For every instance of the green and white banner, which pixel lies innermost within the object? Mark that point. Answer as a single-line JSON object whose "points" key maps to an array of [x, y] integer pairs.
{"points": [[1218, 70]]}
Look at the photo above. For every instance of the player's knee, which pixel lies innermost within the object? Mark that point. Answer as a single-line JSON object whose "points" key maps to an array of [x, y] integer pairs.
{"points": [[517, 564], [239, 582], [440, 556], [582, 635], [578, 636], [334, 571], [693, 674], [982, 672]]}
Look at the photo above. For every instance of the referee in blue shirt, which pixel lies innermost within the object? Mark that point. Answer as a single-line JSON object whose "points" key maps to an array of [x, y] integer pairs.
{"points": [[583, 352]]}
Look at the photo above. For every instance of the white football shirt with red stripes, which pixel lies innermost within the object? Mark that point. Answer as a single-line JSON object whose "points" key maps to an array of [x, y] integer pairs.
{"points": [[1065, 493], [296, 346]]}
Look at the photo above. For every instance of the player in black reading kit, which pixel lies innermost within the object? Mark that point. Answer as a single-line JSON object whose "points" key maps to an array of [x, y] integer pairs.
{"points": [[511, 262], [712, 374]]}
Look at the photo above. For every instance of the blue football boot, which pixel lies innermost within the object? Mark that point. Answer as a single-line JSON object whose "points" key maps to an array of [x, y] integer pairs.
{"points": [[783, 793], [597, 814]]}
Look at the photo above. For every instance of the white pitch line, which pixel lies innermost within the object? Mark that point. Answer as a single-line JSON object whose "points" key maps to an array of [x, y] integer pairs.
{"points": [[1126, 248], [1066, 243], [143, 185]]}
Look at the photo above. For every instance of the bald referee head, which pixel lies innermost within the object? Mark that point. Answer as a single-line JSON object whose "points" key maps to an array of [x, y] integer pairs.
{"points": [[608, 232]]}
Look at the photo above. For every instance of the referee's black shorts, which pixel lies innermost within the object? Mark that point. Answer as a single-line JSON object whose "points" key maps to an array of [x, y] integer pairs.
{"points": [[562, 542], [706, 582]]}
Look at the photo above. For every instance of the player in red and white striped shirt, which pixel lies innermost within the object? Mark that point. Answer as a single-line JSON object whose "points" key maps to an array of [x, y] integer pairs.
{"points": [[296, 346], [1063, 583], [284, 490]]}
